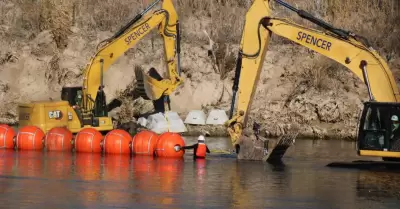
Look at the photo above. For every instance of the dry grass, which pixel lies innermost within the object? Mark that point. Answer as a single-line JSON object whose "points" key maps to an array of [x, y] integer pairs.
{"points": [[375, 19], [28, 18], [222, 19], [324, 74]]}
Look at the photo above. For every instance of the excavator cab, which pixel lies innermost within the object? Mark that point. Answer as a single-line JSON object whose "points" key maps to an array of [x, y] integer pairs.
{"points": [[69, 94], [379, 131]]}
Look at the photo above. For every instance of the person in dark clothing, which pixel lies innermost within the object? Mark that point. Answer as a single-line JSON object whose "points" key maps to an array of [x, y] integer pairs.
{"points": [[395, 136]]}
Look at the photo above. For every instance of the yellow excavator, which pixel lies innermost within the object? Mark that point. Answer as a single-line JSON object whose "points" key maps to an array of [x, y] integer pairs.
{"points": [[85, 106], [353, 51]]}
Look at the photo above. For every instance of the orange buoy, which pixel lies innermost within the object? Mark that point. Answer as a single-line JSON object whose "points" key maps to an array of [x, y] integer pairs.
{"points": [[88, 140], [166, 143], [117, 142], [58, 139], [7, 135], [144, 143], [30, 138]]}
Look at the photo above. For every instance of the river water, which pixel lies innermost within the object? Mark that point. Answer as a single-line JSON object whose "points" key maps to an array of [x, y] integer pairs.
{"points": [[76, 180]]}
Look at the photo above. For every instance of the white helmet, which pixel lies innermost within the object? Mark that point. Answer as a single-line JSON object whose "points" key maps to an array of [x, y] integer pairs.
{"points": [[201, 138], [395, 118]]}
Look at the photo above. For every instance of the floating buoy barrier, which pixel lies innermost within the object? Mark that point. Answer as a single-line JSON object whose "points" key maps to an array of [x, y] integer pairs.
{"points": [[117, 142], [144, 143], [166, 145], [88, 140], [7, 135], [58, 139], [30, 138]]}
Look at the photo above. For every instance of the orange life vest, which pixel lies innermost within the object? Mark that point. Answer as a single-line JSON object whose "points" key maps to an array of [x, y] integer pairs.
{"points": [[201, 150]]}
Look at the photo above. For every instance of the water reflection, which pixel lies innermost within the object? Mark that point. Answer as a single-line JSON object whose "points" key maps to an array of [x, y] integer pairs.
{"points": [[29, 163], [57, 165], [7, 161], [87, 169], [116, 184], [169, 178], [7, 168], [200, 180], [80, 180], [143, 168], [378, 185]]}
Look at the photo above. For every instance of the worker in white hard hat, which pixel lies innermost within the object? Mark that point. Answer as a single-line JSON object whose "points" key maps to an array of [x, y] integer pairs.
{"points": [[395, 121], [395, 125], [200, 148]]}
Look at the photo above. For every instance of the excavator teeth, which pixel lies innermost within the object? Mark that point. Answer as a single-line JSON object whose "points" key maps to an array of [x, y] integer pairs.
{"points": [[281, 147], [140, 88]]}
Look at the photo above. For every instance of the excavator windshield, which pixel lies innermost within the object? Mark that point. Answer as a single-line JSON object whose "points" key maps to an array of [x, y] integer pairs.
{"points": [[379, 127]]}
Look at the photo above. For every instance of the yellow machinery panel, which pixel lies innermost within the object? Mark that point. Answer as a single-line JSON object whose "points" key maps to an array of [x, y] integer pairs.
{"points": [[45, 115], [49, 114]]}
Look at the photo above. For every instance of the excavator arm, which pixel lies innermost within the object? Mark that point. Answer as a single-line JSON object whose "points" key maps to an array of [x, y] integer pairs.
{"points": [[166, 19], [339, 45]]}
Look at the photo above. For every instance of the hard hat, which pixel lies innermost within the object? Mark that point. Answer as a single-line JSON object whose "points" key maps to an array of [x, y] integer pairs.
{"points": [[395, 118], [201, 138]]}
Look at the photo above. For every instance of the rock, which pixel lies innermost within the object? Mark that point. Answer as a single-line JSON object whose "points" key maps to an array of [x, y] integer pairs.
{"points": [[319, 132], [44, 44], [250, 148], [328, 111], [131, 127], [214, 130]]}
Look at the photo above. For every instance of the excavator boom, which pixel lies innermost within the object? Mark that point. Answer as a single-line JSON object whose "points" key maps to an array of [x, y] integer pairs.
{"points": [[167, 21], [342, 46]]}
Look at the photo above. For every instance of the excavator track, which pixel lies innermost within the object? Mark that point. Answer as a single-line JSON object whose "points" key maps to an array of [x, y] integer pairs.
{"points": [[367, 165]]}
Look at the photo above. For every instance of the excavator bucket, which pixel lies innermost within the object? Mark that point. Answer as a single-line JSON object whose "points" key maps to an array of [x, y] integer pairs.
{"points": [[281, 147], [148, 84]]}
